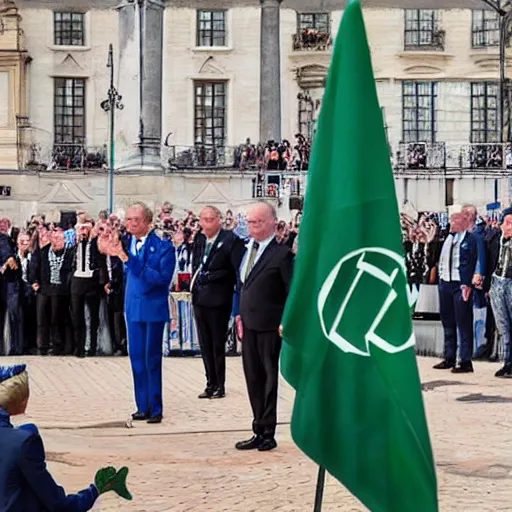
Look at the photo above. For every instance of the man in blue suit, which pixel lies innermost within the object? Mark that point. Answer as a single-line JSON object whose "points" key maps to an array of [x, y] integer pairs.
{"points": [[25, 483], [149, 263], [457, 266]]}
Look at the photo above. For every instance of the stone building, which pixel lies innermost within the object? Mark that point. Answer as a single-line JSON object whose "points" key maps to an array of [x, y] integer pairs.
{"points": [[218, 72]]}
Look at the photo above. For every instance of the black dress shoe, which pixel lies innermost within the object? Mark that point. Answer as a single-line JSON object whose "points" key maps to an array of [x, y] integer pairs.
{"points": [[219, 393], [155, 419], [207, 393], [139, 416], [463, 368], [444, 365], [267, 445], [505, 372], [251, 444]]}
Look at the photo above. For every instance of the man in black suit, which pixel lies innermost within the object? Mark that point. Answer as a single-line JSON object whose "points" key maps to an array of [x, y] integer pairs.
{"points": [[264, 281], [216, 257]]}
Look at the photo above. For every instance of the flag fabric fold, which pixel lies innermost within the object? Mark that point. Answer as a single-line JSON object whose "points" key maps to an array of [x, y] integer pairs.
{"points": [[348, 339]]}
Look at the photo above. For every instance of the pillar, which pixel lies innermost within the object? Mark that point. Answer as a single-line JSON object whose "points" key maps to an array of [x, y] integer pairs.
{"points": [[142, 22], [270, 71]]}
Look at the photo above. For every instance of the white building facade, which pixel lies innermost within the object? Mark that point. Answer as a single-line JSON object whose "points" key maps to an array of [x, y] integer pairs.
{"points": [[437, 73]]}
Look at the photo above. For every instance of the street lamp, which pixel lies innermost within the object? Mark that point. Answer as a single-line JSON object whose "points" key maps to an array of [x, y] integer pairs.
{"points": [[112, 103]]}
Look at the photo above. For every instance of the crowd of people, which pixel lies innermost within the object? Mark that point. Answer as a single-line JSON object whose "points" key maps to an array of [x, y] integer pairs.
{"points": [[62, 295], [469, 259]]}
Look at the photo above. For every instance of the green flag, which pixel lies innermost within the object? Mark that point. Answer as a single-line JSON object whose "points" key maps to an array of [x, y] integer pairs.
{"points": [[348, 339]]}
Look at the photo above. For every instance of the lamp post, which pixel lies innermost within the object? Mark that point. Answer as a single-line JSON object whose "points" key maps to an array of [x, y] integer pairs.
{"points": [[112, 103]]}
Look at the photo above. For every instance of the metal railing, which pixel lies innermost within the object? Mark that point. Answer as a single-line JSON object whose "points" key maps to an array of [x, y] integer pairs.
{"points": [[421, 155], [37, 157], [199, 156], [310, 39]]}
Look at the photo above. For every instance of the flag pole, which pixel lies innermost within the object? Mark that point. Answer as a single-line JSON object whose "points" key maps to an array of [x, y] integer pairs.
{"points": [[320, 483]]}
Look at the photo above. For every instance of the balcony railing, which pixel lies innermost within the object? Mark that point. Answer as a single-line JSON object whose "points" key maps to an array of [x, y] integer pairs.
{"points": [[421, 155], [282, 156], [310, 39], [486, 156], [64, 157], [187, 157]]}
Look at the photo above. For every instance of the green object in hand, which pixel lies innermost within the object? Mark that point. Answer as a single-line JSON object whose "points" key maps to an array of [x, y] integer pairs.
{"points": [[108, 479]]}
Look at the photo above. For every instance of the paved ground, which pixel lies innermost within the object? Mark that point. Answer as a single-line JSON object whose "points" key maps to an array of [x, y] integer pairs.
{"points": [[188, 462]]}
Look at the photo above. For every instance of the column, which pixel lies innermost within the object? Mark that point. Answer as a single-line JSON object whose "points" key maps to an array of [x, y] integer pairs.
{"points": [[127, 82], [270, 71], [149, 19]]}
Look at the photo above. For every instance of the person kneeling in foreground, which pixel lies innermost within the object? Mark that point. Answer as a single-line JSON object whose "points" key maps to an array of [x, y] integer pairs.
{"points": [[25, 483]]}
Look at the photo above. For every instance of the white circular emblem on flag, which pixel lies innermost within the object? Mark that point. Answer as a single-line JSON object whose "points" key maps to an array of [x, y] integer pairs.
{"points": [[365, 300]]}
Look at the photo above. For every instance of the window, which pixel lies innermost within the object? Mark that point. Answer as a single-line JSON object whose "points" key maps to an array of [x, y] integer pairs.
{"points": [[306, 115], [448, 191], [210, 114], [68, 28], [421, 29], [315, 21], [484, 112], [69, 111], [419, 111], [211, 28], [486, 28]]}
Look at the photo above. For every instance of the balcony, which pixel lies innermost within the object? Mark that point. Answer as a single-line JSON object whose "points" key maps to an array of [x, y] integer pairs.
{"points": [[421, 155], [64, 157], [310, 39], [452, 159], [486, 156], [281, 156], [200, 157]]}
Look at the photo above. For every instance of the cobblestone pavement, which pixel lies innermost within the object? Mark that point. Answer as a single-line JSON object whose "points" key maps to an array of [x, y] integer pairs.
{"points": [[188, 463]]}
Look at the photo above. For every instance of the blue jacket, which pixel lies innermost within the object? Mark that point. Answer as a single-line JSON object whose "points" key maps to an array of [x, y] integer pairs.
{"points": [[25, 483], [468, 258], [148, 280], [479, 232]]}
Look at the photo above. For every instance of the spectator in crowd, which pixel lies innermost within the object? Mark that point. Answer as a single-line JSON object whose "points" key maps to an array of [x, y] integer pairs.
{"points": [[216, 256], [51, 274], [456, 270], [501, 289]]}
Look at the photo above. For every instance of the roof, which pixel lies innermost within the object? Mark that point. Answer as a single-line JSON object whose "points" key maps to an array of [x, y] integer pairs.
{"points": [[299, 5]]}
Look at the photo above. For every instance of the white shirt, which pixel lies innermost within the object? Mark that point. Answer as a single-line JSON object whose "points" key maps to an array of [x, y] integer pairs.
{"points": [[261, 249], [451, 245], [136, 246]]}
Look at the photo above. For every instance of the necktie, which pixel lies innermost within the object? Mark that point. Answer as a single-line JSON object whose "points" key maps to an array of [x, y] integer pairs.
{"points": [[207, 251], [251, 260], [138, 246]]}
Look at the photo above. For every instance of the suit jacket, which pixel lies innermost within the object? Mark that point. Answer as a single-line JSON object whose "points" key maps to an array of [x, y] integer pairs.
{"points": [[215, 282], [25, 483], [148, 279], [96, 264], [468, 255], [261, 299], [40, 271]]}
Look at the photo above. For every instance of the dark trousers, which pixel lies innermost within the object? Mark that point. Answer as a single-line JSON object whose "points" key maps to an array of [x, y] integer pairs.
{"points": [[52, 312], [212, 329], [78, 302], [21, 315], [260, 357], [145, 340], [457, 319], [117, 323]]}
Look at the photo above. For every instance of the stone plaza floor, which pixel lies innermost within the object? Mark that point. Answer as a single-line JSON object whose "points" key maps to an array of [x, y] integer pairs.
{"points": [[188, 463]]}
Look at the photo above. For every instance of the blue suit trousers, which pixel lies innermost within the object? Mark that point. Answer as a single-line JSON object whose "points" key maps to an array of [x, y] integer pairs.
{"points": [[457, 320], [145, 350]]}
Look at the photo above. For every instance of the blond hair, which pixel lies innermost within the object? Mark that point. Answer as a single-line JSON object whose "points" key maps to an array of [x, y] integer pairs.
{"points": [[14, 392]]}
